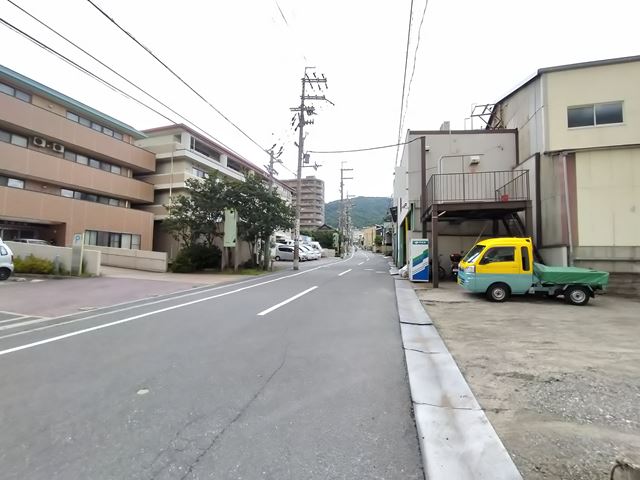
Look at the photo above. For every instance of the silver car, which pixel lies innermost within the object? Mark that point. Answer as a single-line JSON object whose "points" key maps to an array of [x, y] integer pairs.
{"points": [[6, 261]]}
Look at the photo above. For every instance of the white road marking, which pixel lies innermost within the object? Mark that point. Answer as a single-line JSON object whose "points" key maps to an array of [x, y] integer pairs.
{"points": [[142, 305], [143, 315], [361, 263], [288, 300], [346, 271], [368, 269]]}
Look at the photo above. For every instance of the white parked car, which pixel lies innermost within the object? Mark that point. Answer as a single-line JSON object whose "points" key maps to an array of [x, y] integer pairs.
{"points": [[6, 261], [283, 252], [311, 253]]}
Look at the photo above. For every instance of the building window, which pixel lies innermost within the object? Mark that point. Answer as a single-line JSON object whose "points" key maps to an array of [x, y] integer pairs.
{"points": [[596, 114], [199, 173], [15, 183], [66, 193], [19, 94], [94, 163], [74, 117], [112, 239], [19, 140]]}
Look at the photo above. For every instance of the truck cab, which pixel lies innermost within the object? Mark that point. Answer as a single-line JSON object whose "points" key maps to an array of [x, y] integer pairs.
{"points": [[498, 261]]}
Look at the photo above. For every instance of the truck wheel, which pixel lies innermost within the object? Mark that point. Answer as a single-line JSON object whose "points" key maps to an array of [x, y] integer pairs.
{"points": [[576, 295], [498, 292]]}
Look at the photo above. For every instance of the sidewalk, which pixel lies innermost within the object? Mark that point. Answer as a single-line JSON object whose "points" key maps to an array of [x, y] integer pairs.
{"points": [[195, 279]]}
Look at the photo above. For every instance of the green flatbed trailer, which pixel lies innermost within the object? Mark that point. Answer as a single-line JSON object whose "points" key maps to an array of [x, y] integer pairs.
{"points": [[576, 284]]}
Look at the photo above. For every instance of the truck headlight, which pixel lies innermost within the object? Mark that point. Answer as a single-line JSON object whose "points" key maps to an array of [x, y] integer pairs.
{"points": [[470, 269]]}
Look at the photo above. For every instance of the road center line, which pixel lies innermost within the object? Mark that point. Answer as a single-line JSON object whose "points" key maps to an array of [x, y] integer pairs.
{"points": [[361, 263], [346, 271], [288, 300]]}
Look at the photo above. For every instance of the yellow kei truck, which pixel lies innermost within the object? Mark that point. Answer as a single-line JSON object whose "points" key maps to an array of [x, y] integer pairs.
{"points": [[501, 267]]}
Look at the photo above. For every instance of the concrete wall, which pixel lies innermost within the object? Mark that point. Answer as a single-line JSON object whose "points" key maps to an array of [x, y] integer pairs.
{"points": [[584, 86], [525, 110], [608, 196], [76, 215], [134, 259], [91, 257]]}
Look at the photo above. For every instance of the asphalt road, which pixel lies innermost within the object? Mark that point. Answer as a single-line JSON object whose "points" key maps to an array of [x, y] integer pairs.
{"points": [[298, 375]]}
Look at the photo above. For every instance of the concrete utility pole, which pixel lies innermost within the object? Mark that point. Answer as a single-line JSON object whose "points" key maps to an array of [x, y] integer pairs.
{"points": [[273, 158], [341, 217], [309, 110]]}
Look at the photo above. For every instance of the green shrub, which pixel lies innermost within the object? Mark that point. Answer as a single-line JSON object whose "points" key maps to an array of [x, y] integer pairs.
{"points": [[33, 264], [196, 257]]}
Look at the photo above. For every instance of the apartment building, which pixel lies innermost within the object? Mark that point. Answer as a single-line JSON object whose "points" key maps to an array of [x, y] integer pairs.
{"points": [[67, 168], [579, 138], [311, 201], [182, 153]]}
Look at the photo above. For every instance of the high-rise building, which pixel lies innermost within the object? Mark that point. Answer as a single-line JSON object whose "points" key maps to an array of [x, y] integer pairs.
{"points": [[66, 168], [311, 201]]}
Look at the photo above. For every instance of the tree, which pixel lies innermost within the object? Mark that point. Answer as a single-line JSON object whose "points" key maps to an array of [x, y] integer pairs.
{"points": [[198, 216], [261, 211]]}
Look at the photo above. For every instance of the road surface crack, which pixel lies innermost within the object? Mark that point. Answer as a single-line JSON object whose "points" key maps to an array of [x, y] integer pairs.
{"points": [[237, 417]]}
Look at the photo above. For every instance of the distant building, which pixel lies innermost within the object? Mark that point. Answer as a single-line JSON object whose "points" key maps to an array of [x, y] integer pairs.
{"points": [[66, 168], [312, 201]]}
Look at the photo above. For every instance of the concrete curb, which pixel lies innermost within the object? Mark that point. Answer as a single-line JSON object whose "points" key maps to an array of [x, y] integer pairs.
{"points": [[456, 439]]}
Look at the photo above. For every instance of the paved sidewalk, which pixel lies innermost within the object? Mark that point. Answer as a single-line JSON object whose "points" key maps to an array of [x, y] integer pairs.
{"points": [[190, 278]]}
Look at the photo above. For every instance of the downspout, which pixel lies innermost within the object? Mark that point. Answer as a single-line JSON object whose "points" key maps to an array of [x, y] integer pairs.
{"points": [[567, 210]]}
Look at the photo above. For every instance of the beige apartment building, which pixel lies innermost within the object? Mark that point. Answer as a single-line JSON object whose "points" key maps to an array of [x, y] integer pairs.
{"points": [[66, 168], [182, 153], [311, 201], [579, 138]]}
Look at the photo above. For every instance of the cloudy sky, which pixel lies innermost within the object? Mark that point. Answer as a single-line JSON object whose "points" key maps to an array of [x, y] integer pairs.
{"points": [[247, 57]]}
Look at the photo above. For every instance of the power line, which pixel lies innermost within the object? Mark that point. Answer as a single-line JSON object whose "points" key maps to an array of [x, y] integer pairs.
{"points": [[363, 149], [177, 76], [113, 87], [81, 68], [415, 57], [122, 77], [404, 79]]}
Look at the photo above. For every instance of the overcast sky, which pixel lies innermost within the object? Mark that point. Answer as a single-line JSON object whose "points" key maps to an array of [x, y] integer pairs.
{"points": [[247, 59]]}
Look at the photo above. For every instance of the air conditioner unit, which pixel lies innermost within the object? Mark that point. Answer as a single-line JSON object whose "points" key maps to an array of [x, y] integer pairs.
{"points": [[39, 142], [475, 160], [58, 148]]}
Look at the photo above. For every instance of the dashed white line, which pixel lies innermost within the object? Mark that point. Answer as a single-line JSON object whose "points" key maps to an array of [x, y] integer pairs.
{"points": [[288, 300], [361, 263], [346, 271]]}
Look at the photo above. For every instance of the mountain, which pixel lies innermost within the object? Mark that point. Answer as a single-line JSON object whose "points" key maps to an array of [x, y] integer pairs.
{"points": [[366, 211]]}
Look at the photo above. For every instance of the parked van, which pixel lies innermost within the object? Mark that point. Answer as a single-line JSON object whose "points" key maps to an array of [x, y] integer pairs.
{"points": [[6, 261]]}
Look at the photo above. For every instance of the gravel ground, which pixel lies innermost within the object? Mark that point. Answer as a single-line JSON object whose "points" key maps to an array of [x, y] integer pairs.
{"points": [[560, 384]]}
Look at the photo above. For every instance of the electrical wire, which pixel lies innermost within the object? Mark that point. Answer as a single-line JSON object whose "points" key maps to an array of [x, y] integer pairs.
{"points": [[202, 130], [363, 149], [177, 76], [415, 57], [404, 79], [81, 68]]}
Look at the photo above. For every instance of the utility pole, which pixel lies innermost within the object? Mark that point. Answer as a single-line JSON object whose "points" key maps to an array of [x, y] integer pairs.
{"points": [[273, 158], [318, 82], [341, 218]]}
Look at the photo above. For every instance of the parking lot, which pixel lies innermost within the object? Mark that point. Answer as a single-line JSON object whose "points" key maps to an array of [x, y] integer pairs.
{"points": [[560, 383]]}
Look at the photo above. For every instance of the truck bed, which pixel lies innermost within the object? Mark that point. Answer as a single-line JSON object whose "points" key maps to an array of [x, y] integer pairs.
{"points": [[570, 275]]}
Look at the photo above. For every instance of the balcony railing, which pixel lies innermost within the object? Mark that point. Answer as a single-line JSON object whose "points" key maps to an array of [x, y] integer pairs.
{"points": [[493, 186]]}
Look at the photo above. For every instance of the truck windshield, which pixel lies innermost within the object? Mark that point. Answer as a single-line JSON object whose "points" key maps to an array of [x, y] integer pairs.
{"points": [[472, 255]]}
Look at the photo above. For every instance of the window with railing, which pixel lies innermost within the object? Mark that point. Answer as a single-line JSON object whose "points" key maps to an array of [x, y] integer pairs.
{"points": [[99, 164]]}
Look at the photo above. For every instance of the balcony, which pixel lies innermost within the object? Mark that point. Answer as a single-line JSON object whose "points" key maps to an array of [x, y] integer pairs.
{"points": [[34, 165], [493, 190]]}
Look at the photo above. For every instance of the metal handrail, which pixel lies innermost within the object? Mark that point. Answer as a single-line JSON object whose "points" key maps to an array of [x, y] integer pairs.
{"points": [[491, 186]]}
